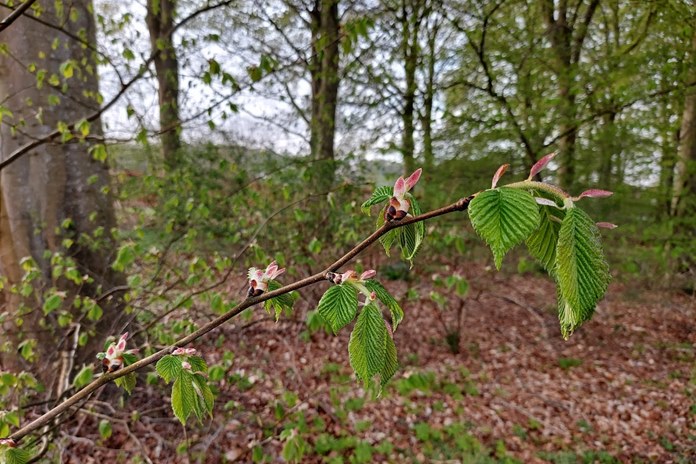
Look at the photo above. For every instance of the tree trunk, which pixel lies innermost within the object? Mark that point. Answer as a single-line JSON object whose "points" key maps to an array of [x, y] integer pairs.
{"points": [[410, 29], [684, 189], [567, 37], [324, 71], [428, 98], [160, 22], [55, 198]]}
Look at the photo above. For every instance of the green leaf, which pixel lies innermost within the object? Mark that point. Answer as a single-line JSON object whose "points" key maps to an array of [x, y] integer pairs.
{"points": [[16, 456], [397, 314], [380, 195], [183, 396], [168, 367], [105, 429], [83, 377], [368, 344], [503, 217], [391, 363], [287, 300], [542, 243], [204, 396], [52, 303], [409, 241], [198, 364], [127, 382], [581, 270], [338, 306]]}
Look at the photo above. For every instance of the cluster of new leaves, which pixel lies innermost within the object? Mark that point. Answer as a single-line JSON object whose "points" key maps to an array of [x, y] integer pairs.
{"points": [[399, 202], [190, 391], [371, 348], [557, 233]]}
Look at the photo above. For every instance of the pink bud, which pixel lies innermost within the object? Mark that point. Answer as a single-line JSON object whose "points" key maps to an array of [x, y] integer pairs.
{"points": [[541, 164], [400, 187], [606, 225], [368, 274], [186, 365], [111, 350], [178, 352], [413, 178], [498, 174], [594, 193], [373, 296], [7, 442]]}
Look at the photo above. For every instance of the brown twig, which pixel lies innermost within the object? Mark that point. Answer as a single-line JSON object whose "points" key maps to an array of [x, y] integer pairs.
{"points": [[460, 205], [16, 13]]}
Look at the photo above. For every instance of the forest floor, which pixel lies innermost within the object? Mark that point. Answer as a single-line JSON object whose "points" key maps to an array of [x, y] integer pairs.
{"points": [[621, 389]]}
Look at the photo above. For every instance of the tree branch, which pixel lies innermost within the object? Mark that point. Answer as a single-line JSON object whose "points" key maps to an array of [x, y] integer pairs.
{"points": [[16, 13], [460, 205]]}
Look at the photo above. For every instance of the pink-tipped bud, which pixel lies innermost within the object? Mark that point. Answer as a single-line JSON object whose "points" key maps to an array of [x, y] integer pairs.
{"points": [[498, 174], [370, 273], [594, 193], [541, 164], [373, 296], [186, 365], [413, 178], [606, 225], [7, 442]]}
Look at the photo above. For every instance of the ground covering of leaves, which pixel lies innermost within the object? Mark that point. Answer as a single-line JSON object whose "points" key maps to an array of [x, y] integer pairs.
{"points": [[622, 389]]}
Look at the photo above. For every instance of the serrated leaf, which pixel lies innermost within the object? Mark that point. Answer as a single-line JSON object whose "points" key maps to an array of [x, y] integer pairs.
{"points": [[503, 217], [409, 242], [397, 314], [198, 364], [380, 195], [581, 270], [368, 344], [286, 299], [391, 363], [204, 396], [338, 306], [127, 382], [168, 367], [183, 396], [542, 243], [17, 456]]}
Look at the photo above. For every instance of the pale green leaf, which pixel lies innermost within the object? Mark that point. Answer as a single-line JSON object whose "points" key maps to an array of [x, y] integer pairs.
{"points": [[127, 382], [338, 306], [105, 428], [16, 456], [503, 217], [542, 243], [380, 195], [83, 377], [581, 270], [183, 396], [368, 344], [168, 367], [397, 314]]}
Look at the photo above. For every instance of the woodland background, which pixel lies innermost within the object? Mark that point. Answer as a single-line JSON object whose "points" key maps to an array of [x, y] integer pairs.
{"points": [[152, 151]]}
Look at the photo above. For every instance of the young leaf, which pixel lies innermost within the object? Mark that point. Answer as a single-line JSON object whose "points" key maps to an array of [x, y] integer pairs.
{"points": [[16, 456], [127, 382], [409, 241], [380, 195], [397, 314], [338, 306], [83, 377], [503, 217], [542, 243], [183, 396], [581, 270], [198, 364], [204, 396], [391, 363], [368, 344], [168, 367]]}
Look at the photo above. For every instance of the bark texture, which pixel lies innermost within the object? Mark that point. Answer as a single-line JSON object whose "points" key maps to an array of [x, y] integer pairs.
{"points": [[160, 23], [53, 183], [324, 71]]}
